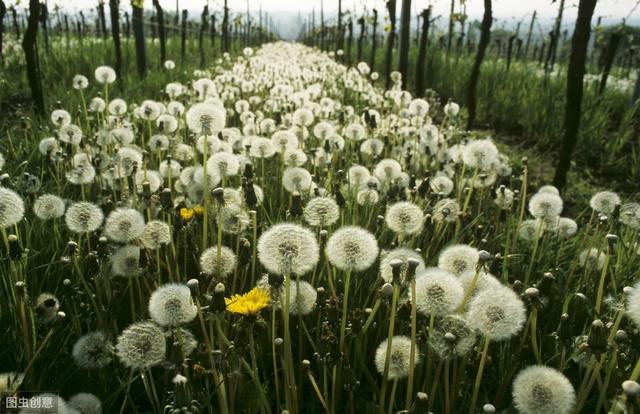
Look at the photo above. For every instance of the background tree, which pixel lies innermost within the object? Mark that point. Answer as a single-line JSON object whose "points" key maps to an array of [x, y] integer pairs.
{"points": [[30, 47], [575, 89], [403, 48], [485, 36], [137, 15], [114, 11], [162, 31]]}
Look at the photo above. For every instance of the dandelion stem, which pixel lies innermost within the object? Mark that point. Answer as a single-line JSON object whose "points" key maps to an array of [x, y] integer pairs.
{"points": [[476, 385]]}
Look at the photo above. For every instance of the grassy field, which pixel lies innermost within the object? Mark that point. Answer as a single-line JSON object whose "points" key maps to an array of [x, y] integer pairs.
{"points": [[277, 232]]}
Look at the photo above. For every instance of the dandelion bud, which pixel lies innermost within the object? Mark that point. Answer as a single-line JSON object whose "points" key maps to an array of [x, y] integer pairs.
{"points": [[322, 295], [218, 194], [483, 256], [20, 287], [306, 364], [47, 307], [217, 301], [15, 250], [631, 388], [597, 339], [532, 293], [621, 336], [396, 269], [422, 400], [340, 200], [488, 409], [72, 247], [278, 341], [524, 161], [517, 286], [244, 257], [61, 315], [165, 199], [386, 290], [66, 282], [103, 247], [450, 337], [412, 265], [611, 241], [627, 290], [564, 329], [275, 280], [296, 205], [248, 171], [194, 286], [545, 284]]}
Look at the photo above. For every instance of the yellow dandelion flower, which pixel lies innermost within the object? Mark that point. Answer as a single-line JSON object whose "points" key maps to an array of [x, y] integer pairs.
{"points": [[248, 304], [186, 213], [198, 209]]}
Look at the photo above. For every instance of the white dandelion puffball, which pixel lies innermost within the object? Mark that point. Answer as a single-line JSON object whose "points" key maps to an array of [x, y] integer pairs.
{"points": [[538, 389], [387, 170], [141, 345], [124, 225], [58, 405], [92, 350], [210, 264], [80, 82], [438, 292], [604, 202], [85, 403], [171, 305], [352, 248], [206, 119], [48, 206], [405, 218], [10, 381], [155, 234], [446, 210], [169, 64], [633, 305], [458, 258], [545, 205], [105, 75], [481, 154], [452, 109], [117, 107], [11, 208], [60, 117], [530, 230], [288, 248], [452, 337], [223, 164], [125, 261], [630, 215], [284, 140], [400, 253], [498, 313], [566, 227], [592, 258], [321, 211], [302, 297], [441, 184], [297, 179], [84, 217], [483, 280], [399, 358]]}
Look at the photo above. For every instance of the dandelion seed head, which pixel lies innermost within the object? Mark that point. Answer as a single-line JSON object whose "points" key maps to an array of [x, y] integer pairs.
{"points": [[545, 205], [105, 74], [438, 292], [352, 248], [452, 337], [84, 217], [321, 212], [155, 234], [125, 261], [210, 264], [604, 202], [85, 403], [497, 313], [124, 225], [171, 305], [92, 350], [288, 248], [141, 345], [404, 218], [458, 259], [539, 389], [399, 358], [302, 297]]}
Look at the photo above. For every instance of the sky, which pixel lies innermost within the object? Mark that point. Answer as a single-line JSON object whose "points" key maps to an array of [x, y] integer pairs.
{"points": [[285, 12]]}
